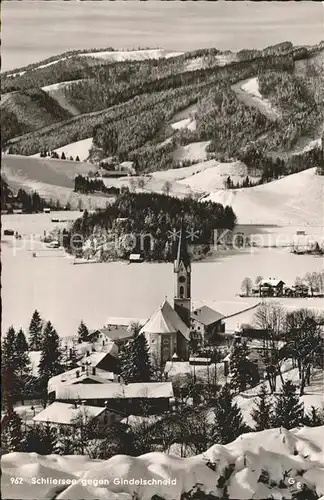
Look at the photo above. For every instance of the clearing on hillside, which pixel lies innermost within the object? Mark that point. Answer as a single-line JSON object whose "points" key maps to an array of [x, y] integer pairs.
{"points": [[294, 200]]}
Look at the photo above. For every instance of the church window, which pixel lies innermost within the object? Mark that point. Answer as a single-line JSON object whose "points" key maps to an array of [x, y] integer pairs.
{"points": [[181, 291]]}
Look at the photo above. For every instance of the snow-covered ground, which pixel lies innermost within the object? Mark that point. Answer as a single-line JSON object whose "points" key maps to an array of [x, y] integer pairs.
{"points": [[74, 149], [248, 92], [293, 200], [215, 177], [60, 85], [290, 459], [314, 393], [193, 151], [189, 123], [132, 55]]}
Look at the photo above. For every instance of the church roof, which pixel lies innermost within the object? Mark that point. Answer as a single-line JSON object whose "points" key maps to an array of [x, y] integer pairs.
{"points": [[166, 320]]}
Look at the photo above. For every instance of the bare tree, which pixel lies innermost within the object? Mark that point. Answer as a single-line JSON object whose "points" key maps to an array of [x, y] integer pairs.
{"points": [[270, 317], [312, 281], [141, 182], [258, 280], [304, 343], [246, 286], [167, 186]]}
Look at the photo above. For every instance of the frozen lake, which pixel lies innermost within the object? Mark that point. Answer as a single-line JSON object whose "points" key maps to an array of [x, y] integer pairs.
{"points": [[32, 31], [65, 293]]}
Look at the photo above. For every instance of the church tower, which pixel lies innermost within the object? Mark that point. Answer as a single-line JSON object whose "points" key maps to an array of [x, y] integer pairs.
{"points": [[182, 270]]}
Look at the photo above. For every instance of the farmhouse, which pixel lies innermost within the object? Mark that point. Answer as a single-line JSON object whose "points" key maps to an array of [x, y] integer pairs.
{"points": [[117, 330], [207, 325], [83, 375], [106, 361], [271, 287], [128, 398], [66, 416]]}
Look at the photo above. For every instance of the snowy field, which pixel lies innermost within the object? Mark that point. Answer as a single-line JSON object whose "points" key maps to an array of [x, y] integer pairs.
{"points": [[274, 452], [74, 149], [192, 151], [131, 55], [292, 200], [248, 92]]}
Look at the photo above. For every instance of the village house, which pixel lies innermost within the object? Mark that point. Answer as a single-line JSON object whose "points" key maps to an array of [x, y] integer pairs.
{"points": [[117, 330], [65, 417], [84, 374], [154, 397], [271, 287], [106, 360], [207, 325]]}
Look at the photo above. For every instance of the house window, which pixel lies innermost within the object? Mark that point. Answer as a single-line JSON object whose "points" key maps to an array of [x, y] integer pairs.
{"points": [[105, 420]]}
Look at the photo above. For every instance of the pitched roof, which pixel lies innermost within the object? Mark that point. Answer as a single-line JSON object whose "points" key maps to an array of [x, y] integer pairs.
{"points": [[70, 377], [66, 413], [271, 282], [115, 391], [206, 316], [166, 320], [116, 332], [94, 358]]}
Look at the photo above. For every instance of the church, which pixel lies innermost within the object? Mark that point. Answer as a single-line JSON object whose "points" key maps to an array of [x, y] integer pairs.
{"points": [[168, 330]]}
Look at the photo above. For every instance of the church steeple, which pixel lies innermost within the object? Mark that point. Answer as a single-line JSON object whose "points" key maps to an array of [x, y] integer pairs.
{"points": [[182, 270], [182, 253]]}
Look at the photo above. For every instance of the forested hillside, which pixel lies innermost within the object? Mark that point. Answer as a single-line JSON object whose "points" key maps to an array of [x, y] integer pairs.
{"points": [[133, 219], [127, 107]]}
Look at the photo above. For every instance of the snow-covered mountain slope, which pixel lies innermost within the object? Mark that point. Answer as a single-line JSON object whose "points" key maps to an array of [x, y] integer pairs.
{"points": [[295, 199], [275, 463]]}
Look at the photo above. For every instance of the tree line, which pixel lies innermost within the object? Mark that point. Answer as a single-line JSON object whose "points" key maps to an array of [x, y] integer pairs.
{"points": [[85, 185], [27, 202]]}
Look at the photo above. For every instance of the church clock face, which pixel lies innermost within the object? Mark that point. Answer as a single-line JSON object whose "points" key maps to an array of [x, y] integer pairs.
{"points": [[182, 279]]}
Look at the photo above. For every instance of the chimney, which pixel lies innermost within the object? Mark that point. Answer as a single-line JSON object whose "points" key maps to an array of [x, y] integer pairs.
{"points": [[106, 404], [93, 370], [83, 402], [118, 379], [77, 373], [75, 404], [88, 353], [83, 368]]}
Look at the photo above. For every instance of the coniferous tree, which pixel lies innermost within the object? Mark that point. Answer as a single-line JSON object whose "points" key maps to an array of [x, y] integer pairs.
{"points": [[243, 372], [21, 342], [35, 332], [229, 422], [12, 436], [262, 412], [135, 359], [22, 366], [315, 418], [8, 372], [288, 411], [40, 439], [50, 361], [83, 332]]}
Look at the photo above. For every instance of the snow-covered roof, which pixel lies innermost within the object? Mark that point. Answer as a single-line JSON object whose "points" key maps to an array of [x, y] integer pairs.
{"points": [[271, 282], [166, 320], [206, 316], [71, 377], [120, 321], [150, 390], [66, 413], [95, 358]]}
